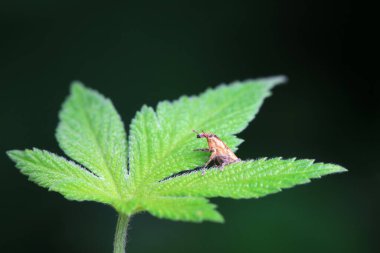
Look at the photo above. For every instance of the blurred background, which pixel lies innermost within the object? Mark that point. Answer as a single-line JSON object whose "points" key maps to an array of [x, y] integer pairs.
{"points": [[141, 52]]}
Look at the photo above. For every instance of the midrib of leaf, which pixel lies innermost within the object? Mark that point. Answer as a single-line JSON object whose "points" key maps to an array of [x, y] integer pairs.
{"points": [[105, 163], [182, 139]]}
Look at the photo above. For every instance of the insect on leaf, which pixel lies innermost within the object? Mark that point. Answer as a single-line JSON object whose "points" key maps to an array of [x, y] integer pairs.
{"points": [[162, 144]]}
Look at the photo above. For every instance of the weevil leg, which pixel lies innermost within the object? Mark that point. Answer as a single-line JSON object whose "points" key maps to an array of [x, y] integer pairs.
{"points": [[205, 166], [212, 157], [202, 149], [222, 166]]}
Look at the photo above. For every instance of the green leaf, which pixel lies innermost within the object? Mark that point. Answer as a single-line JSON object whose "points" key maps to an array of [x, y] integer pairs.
{"points": [[162, 142], [91, 132], [57, 174], [184, 209], [249, 179]]}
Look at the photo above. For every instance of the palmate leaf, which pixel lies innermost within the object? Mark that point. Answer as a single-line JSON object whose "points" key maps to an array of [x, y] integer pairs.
{"points": [[161, 144]]}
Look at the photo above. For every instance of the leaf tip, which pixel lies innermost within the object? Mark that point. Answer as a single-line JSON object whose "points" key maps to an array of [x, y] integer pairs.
{"points": [[337, 168], [274, 80], [76, 86], [14, 154], [77, 83], [219, 218]]}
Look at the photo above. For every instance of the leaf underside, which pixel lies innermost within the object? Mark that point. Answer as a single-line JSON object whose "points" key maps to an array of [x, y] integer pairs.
{"points": [[161, 144]]}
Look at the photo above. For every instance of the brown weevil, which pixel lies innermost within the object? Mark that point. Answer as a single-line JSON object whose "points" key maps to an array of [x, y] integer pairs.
{"points": [[221, 154]]}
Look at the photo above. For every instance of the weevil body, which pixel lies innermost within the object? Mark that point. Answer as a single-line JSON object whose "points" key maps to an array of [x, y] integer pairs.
{"points": [[221, 154]]}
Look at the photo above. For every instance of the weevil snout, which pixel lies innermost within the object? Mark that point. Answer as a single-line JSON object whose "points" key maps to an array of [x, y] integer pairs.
{"points": [[202, 135]]}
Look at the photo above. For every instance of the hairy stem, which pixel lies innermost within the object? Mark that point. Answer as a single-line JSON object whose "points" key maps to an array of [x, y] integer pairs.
{"points": [[120, 239]]}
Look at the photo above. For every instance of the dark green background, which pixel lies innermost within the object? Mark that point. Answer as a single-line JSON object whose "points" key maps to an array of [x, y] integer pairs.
{"points": [[139, 52]]}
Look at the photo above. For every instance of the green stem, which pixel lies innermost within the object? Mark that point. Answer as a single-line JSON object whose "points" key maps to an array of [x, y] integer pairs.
{"points": [[120, 239]]}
